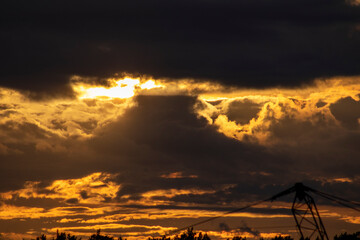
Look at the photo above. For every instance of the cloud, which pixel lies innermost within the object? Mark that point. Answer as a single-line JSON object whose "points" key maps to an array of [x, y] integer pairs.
{"points": [[236, 43], [162, 157], [184, 135], [224, 227], [245, 229], [347, 111]]}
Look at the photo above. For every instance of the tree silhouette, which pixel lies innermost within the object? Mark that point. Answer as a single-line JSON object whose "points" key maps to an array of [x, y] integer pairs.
{"points": [[60, 236], [98, 236], [238, 238], [42, 237], [280, 237], [348, 236], [189, 234]]}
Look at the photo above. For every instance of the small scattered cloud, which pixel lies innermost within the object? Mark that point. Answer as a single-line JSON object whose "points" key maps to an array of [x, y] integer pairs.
{"points": [[178, 175], [224, 227], [246, 229]]}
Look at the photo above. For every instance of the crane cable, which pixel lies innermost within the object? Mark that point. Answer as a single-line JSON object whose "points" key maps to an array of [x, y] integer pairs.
{"points": [[338, 198], [333, 198], [219, 216], [322, 194]]}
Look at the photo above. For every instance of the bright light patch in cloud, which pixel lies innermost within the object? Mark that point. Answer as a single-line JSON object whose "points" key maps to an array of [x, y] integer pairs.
{"points": [[343, 180], [150, 84], [122, 88], [177, 175], [174, 192], [304, 106], [92, 189]]}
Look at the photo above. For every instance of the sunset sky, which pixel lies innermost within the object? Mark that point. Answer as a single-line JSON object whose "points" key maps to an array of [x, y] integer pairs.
{"points": [[141, 117]]}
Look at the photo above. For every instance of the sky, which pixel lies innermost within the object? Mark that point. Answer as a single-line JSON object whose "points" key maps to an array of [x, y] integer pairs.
{"points": [[141, 117]]}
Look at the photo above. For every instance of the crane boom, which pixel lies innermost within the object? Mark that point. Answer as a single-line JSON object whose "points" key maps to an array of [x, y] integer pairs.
{"points": [[304, 210]]}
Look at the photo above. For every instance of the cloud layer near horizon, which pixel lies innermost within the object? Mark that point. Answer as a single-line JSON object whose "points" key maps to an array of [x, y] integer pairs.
{"points": [[78, 160]]}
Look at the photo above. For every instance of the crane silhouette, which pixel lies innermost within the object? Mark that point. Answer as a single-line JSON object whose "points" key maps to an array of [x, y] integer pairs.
{"points": [[304, 210], [307, 217]]}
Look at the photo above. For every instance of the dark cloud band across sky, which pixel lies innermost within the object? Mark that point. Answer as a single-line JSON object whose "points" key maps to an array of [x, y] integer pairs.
{"points": [[244, 43]]}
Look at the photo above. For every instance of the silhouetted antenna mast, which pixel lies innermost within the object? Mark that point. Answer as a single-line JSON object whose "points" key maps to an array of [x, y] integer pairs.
{"points": [[304, 210], [307, 217]]}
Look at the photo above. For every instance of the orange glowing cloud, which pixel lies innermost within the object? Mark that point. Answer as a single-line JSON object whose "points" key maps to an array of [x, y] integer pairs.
{"points": [[97, 106], [309, 104], [92, 189], [177, 175], [119, 88]]}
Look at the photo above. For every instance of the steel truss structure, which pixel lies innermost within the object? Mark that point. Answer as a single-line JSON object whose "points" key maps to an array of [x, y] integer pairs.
{"points": [[304, 210]]}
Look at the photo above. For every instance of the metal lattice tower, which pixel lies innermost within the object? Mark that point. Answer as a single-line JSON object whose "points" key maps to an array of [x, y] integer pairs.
{"points": [[306, 215]]}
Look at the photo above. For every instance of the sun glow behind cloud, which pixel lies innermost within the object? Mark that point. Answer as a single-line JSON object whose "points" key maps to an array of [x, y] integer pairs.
{"points": [[121, 88], [98, 105]]}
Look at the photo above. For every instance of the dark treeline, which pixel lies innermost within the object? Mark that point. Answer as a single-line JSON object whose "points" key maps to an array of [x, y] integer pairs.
{"points": [[190, 234]]}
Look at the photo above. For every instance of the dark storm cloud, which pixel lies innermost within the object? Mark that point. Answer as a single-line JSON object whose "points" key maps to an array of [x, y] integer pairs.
{"points": [[172, 138], [159, 136], [244, 43], [243, 111], [347, 111], [163, 135]]}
